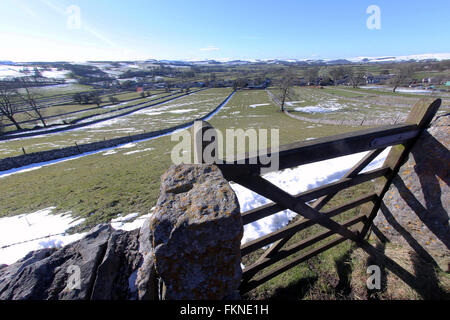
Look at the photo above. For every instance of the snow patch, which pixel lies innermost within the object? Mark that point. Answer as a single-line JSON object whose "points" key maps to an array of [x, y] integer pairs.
{"points": [[33, 231], [128, 145], [130, 222], [294, 181], [138, 151], [323, 107], [258, 105], [109, 152], [291, 103], [182, 111], [39, 227]]}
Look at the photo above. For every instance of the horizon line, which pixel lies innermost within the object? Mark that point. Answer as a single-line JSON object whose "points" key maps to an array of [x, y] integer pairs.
{"points": [[422, 56]]}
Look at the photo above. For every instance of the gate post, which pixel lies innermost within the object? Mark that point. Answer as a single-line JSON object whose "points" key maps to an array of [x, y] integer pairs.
{"points": [[197, 230]]}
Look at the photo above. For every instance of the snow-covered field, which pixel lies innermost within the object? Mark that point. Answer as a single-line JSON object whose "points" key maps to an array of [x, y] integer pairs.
{"points": [[8, 71], [55, 73], [44, 229], [323, 107], [401, 89]]}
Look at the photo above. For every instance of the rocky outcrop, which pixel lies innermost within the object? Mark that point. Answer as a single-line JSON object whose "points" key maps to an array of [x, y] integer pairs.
{"points": [[416, 208], [146, 278], [116, 274], [197, 230], [102, 265]]}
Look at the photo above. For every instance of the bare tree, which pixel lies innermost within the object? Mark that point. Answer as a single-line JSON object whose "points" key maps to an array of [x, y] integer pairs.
{"points": [[402, 74], [235, 85], [29, 97], [311, 75], [240, 83], [336, 74], [184, 81], [96, 98], [78, 98], [113, 100], [168, 86], [285, 86], [356, 78], [8, 107]]}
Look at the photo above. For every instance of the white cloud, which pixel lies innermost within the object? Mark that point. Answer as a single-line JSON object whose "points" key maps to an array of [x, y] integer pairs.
{"points": [[210, 48]]}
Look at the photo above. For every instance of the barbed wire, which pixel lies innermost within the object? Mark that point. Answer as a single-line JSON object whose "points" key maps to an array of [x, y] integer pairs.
{"points": [[62, 233], [30, 240], [129, 221]]}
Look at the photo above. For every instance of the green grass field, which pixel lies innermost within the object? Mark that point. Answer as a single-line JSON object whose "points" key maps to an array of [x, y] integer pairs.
{"points": [[62, 89], [126, 180], [372, 107], [247, 109], [113, 182], [154, 118], [82, 110]]}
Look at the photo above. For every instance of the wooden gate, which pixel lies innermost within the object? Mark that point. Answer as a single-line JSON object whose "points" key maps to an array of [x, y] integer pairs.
{"points": [[246, 171]]}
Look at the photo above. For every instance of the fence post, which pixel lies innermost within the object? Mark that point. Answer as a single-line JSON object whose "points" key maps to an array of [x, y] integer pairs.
{"points": [[421, 115], [79, 151]]}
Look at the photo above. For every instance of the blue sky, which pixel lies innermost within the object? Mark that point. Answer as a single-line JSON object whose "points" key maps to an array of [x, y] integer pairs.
{"points": [[49, 30]]}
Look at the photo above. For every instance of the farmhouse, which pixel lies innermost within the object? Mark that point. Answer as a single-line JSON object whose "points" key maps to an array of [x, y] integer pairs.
{"points": [[371, 79]]}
